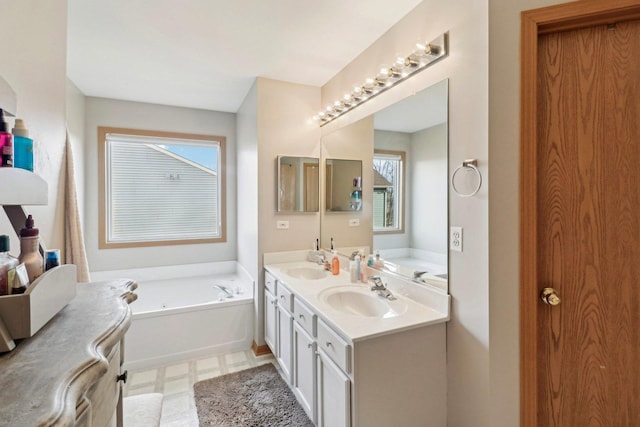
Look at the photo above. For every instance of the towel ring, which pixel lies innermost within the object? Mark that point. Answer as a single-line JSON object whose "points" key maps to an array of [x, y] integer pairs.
{"points": [[467, 164]]}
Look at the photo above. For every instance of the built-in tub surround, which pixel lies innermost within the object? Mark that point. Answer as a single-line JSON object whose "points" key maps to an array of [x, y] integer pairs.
{"points": [[182, 312], [353, 356]]}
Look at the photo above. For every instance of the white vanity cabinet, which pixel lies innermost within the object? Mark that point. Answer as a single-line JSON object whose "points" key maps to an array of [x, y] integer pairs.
{"points": [[278, 323], [270, 313], [285, 335], [392, 378], [304, 357]]}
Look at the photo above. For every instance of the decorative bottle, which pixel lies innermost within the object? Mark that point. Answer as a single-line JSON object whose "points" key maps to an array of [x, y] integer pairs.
{"points": [[6, 143], [30, 250], [22, 146], [7, 265]]}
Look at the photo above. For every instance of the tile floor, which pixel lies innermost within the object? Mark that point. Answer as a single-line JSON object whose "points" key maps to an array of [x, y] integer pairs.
{"points": [[176, 382]]}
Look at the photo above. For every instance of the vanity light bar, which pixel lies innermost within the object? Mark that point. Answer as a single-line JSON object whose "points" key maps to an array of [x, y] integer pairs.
{"points": [[423, 56]]}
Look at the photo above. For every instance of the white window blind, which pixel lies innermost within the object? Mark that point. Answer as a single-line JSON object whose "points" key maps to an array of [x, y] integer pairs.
{"points": [[155, 194]]}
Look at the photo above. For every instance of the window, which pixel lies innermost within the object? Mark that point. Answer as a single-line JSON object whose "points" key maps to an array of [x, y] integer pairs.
{"points": [[159, 188], [388, 191]]}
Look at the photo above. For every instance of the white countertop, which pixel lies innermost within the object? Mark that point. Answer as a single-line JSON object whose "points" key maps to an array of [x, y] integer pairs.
{"points": [[431, 310]]}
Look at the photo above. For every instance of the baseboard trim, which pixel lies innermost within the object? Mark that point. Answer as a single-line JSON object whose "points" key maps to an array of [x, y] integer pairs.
{"points": [[260, 350]]}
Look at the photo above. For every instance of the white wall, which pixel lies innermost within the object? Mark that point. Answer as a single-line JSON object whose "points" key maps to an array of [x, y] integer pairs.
{"points": [[468, 392], [136, 115], [429, 194], [34, 40], [504, 137]]}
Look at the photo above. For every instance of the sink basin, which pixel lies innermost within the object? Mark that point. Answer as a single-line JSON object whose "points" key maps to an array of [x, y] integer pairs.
{"points": [[360, 301], [306, 273]]}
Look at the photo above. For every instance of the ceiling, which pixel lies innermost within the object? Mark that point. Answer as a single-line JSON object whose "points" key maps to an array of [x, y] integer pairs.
{"points": [[207, 53]]}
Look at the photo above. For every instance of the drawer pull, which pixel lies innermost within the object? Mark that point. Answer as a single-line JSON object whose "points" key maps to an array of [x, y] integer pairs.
{"points": [[122, 377]]}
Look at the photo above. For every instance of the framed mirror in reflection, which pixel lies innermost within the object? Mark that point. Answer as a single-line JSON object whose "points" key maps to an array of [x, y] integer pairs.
{"points": [[343, 185], [298, 184], [409, 205]]}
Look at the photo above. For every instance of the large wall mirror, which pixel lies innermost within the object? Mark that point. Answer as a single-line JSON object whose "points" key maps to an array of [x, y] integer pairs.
{"points": [[298, 184], [408, 204]]}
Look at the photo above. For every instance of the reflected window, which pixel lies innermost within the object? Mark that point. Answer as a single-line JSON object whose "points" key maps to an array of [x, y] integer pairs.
{"points": [[388, 191]]}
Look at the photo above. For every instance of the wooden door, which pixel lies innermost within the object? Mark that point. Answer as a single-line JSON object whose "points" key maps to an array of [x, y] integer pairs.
{"points": [[580, 194]]}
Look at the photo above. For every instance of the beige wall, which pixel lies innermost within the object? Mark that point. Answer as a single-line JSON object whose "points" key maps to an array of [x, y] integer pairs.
{"points": [[504, 137], [468, 389], [284, 127], [138, 115], [34, 40]]}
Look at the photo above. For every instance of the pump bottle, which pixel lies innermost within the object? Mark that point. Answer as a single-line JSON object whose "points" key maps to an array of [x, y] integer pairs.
{"points": [[30, 250]]}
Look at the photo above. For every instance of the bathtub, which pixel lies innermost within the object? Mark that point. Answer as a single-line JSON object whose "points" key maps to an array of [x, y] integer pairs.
{"points": [[185, 317]]}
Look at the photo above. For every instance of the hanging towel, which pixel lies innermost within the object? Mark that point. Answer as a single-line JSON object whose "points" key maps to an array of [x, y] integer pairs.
{"points": [[74, 242]]}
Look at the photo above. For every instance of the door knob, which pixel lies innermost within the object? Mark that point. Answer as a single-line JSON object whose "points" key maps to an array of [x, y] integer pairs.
{"points": [[550, 296]]}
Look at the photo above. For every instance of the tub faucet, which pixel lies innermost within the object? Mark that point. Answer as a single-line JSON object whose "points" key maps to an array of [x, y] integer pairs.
{"points": [[417, 276], [380, 287], [224, 289]]}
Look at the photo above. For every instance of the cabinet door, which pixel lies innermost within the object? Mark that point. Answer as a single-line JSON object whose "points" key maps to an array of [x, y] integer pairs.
{"points": [[304, 369], [270, 319], [285, 328], [334, 394]]}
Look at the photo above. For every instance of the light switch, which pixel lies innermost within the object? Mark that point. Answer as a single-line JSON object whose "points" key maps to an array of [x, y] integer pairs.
{"points": [[282, 225]]}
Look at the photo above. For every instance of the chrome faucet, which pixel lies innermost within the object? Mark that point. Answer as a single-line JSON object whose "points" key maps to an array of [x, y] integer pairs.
{"points": [[380, 287], [224, 289], [417, 276]]}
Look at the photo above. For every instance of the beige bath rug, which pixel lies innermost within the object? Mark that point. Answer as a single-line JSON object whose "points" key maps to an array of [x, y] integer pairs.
{"points": [[253, 397]]}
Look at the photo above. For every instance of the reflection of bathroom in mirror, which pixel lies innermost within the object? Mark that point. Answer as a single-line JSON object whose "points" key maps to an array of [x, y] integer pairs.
{"points": [[343, 185], [410, 205], [298, 184]]}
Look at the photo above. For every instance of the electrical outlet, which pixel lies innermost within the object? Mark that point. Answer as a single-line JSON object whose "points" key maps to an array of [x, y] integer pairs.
{"points": [[455, 239], [282, 225], [354, 222]]}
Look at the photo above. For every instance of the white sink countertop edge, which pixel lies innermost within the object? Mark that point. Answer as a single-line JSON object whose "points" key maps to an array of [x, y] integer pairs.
{"points": [[354, 327]]}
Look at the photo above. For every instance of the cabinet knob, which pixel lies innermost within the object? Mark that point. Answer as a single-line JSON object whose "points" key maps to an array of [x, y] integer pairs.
{"points": [[329, 344], [301, 316], [309, 345], [123, 377]]}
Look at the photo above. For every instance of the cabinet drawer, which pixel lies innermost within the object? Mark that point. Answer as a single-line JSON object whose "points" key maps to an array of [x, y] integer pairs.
{"points": [[105, 393], [334, 346], [270, 282], [304, 316], [285, 298]]}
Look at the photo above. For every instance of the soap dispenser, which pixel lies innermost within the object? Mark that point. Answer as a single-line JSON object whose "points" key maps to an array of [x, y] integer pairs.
{"points": [[335, 264]]}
